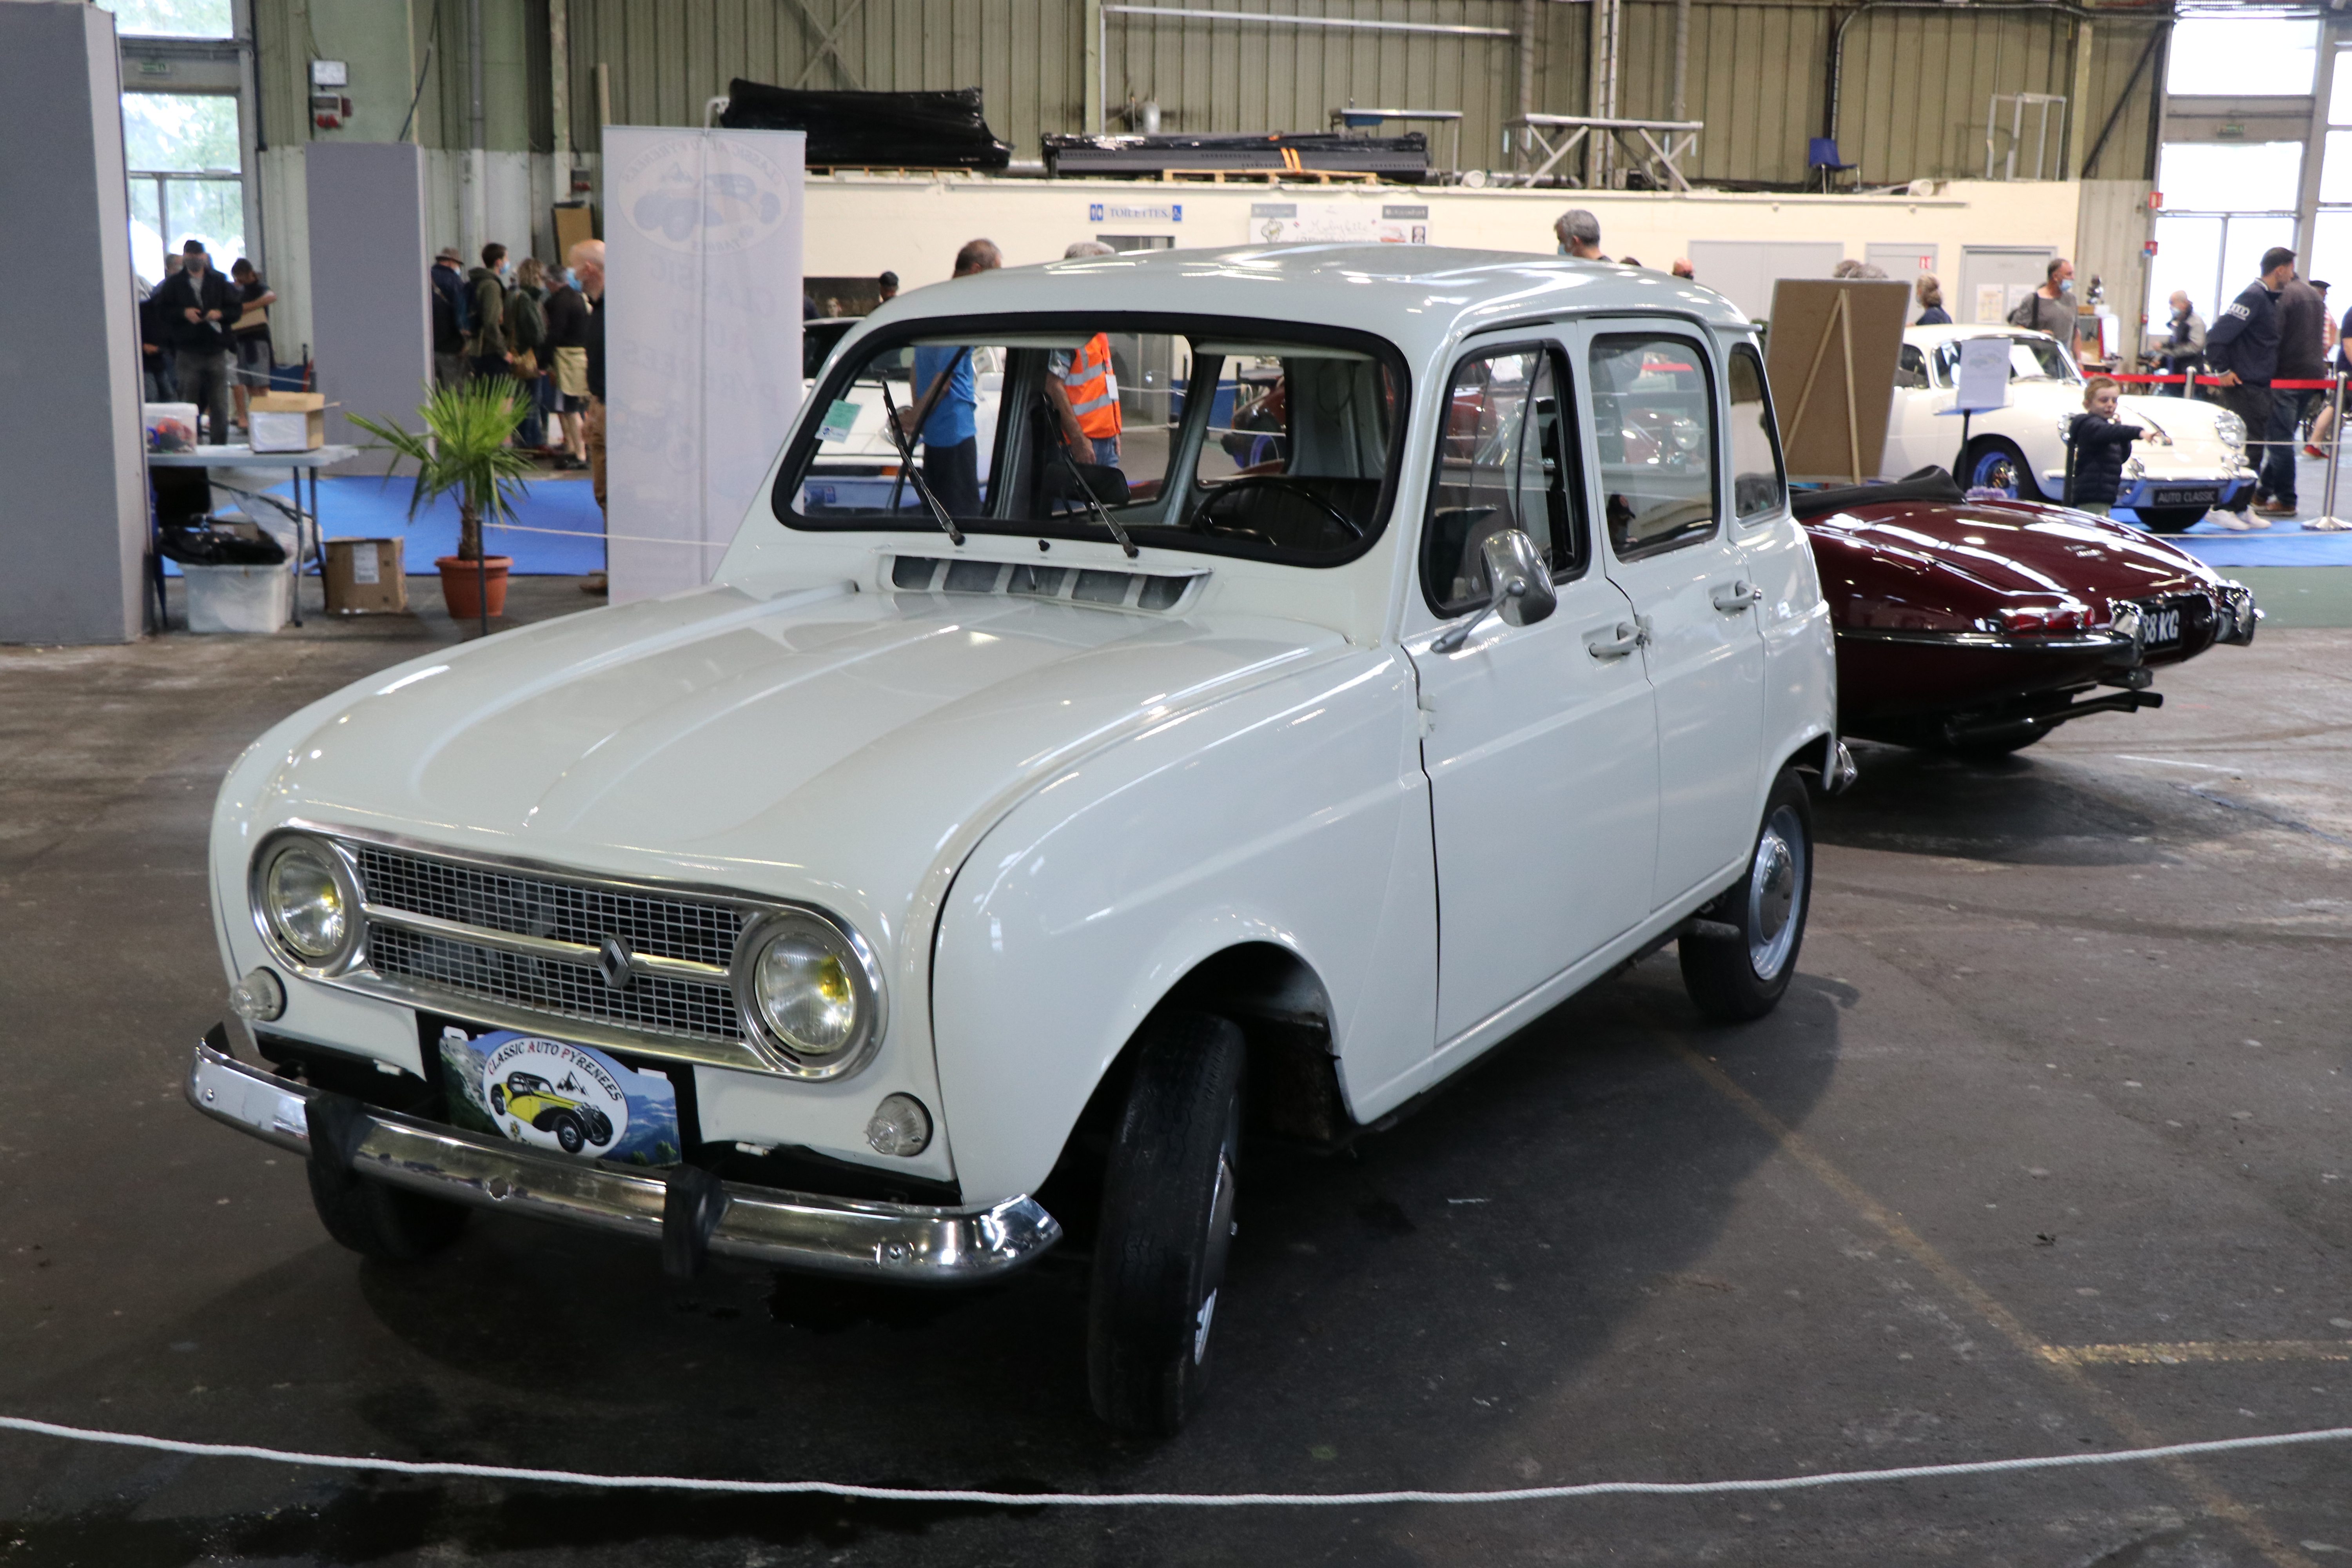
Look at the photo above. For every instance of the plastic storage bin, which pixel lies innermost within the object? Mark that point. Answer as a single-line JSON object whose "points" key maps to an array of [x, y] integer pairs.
{"points": [[239, 598]]}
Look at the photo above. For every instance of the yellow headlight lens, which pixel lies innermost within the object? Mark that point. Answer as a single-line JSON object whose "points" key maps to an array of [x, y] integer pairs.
{"points": [[805, 991], [305, 902]]}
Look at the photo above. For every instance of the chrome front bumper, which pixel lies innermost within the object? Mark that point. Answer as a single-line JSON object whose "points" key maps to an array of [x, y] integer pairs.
{"points": [[896, 1242]]}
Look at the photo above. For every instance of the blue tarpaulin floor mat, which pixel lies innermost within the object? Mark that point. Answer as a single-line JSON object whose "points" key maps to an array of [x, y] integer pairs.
{"points": [[2285, 542], [370, 507]]}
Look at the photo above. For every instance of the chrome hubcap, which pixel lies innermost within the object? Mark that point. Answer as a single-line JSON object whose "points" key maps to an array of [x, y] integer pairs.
{"points": [[1775, 884]]}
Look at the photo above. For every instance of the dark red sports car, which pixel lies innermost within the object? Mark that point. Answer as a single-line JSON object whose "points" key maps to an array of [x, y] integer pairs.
{"points": [[1981, 625]]}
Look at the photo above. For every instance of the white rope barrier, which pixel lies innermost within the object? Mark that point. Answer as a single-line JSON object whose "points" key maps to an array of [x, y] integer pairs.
{"points": [[1170, 1499], [630, 538]]}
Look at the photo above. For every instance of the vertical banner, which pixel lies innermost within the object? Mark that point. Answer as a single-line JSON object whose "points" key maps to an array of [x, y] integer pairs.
{"points": [[702, 341]]}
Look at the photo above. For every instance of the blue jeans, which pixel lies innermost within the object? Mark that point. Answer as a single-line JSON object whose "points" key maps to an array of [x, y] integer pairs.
{"points": [[2277, 469], [1106, 450]]}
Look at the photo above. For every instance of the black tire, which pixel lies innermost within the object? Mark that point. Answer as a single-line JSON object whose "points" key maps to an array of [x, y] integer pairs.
{"points": [[498, 1099], [1167, 1224], [1985, 455], [568, 1136], [1736, 979], [600, 1129], [2170, 519], [381, 1221]]}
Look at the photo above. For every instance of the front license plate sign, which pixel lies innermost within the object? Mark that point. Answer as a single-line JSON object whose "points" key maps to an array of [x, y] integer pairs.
{"points": [[554, 1095], [2205, 497], [2159, 625]]}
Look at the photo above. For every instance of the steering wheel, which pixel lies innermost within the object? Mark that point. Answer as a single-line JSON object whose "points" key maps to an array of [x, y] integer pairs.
{"points": [[1206, 519]]}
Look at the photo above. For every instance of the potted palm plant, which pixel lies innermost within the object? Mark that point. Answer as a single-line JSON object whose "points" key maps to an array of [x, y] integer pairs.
{"points": [[464, 451]]}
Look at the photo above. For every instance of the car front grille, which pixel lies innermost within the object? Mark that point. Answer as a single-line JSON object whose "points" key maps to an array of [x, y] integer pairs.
{"points": [[520, 904]]}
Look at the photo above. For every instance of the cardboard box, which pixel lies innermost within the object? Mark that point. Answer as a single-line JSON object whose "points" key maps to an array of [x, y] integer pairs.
{"points": [[289, 421], [364, 576]]}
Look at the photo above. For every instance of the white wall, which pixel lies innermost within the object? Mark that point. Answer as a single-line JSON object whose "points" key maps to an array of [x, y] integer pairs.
{"points": [[864, 225]]}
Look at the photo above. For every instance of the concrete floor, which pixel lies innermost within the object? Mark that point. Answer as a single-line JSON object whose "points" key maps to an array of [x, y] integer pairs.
{"points": [[2044, 1152]]}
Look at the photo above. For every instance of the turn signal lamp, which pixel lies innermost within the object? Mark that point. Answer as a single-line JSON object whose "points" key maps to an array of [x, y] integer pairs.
{"points": [[900, 1126], [259, 998]]}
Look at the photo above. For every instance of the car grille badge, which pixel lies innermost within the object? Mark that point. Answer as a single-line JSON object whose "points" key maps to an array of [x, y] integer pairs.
{"points": [[613, 957]]}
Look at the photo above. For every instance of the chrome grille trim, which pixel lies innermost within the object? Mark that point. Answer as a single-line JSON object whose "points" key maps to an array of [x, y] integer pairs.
{"points": [[514, 943]]}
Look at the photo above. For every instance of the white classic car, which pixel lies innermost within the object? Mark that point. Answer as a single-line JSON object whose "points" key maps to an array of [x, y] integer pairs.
{"points": [[2192, 459], [932, 883]]}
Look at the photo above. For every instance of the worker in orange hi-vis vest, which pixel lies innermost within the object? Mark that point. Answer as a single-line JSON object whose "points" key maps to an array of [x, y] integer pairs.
{"points": [[1085, 394]]}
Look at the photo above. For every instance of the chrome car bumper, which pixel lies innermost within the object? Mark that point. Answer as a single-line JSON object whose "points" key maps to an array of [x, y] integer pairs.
{"points": [[896, 1242]]}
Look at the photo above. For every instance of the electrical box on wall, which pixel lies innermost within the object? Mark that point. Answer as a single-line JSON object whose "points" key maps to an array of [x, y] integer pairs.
{"points": [[329, 109]]}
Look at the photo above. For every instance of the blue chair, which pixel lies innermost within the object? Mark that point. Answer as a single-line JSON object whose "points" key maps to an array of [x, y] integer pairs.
{"points": [[1821, 155]]}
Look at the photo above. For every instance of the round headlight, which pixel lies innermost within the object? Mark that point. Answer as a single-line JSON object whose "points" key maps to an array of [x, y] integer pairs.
{"points": [[809, 988], [306, 901]]}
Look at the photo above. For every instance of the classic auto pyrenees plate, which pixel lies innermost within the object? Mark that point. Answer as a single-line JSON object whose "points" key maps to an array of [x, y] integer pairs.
{"points": [[553, 1094]]}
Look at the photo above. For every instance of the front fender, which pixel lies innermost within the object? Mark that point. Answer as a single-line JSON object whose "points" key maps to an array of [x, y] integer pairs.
{"points": [[1295, 814]]}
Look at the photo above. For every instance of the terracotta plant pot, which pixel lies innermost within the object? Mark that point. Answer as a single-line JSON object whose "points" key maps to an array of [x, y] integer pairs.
{"points": [[462, 581]]}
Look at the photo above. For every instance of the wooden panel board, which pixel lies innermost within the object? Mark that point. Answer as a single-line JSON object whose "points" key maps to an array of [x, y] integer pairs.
{"points": [[1831, 362]]}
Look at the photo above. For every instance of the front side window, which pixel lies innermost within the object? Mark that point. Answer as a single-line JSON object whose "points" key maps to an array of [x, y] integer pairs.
{"points": [[1653, 414], [1910, 369], [1758, 479], [1213, 437], [1502, 461]]}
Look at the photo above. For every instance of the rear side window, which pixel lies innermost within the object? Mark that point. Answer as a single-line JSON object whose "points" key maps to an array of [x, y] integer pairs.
{"points": [[1654, 415], [1503, 460], [1758, 478]]}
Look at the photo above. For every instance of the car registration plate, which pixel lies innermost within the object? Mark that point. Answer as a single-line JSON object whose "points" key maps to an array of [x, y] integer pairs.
{"points": [[2205, 494], [2159, 625], [554, 1095]]}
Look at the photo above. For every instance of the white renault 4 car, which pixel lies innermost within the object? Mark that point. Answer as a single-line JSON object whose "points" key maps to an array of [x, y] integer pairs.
{"points": [[933, 885]]}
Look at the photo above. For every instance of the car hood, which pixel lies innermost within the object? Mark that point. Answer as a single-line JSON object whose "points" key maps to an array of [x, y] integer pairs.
{"points": [[1941, 565], [828, 743]]}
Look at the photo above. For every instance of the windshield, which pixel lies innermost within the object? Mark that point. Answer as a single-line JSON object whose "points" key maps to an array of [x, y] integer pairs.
{"points": [[2033, 358], [1229, 437]]}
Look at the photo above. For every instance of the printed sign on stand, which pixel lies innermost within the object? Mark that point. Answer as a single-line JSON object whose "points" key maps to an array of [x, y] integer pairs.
{"points": [[702, 341]]}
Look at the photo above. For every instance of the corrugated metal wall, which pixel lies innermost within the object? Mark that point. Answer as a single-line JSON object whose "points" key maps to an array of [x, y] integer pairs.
{"points": [[1916, 78]]}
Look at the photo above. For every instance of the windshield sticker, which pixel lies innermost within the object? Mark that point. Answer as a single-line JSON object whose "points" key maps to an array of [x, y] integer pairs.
{"points": [[839, 420], [552, 1094]]}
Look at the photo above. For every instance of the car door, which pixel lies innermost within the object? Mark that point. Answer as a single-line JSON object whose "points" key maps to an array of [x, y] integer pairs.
{"points": [[1654, 428], [1540, 742]]}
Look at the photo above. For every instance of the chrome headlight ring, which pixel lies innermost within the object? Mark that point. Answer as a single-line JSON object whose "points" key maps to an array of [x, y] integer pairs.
{"points": [[806, 962], [292, 869]]}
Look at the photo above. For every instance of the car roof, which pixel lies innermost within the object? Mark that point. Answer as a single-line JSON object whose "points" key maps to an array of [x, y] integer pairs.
{"points": [[1417, 296], [1929, 337]]}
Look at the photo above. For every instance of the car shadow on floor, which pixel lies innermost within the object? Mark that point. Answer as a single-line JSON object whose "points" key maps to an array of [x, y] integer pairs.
{"points": [[2019, 809], [1416, 1303]]}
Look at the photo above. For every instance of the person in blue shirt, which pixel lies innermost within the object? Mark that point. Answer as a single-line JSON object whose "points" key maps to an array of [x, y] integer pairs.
{"points": [[2242, 347], [951, 436]]}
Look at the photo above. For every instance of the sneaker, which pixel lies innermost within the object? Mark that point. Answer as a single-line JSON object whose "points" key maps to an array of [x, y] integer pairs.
{"points": [[2236, 522], [2311, 451], [595, 585]]}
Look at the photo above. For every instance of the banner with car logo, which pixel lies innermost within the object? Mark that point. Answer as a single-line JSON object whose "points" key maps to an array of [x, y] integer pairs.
{"points": [[552, 1094], [702, 341]]}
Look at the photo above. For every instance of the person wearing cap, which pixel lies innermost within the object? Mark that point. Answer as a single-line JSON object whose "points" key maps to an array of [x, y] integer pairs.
{"points": [[449, 284], [1083, 388], [1579, 235]]}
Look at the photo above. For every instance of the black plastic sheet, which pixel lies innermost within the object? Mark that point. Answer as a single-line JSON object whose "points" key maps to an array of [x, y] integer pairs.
{"points": [[873, 130]]}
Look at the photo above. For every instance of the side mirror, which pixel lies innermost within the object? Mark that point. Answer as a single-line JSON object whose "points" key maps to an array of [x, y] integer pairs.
{"points": [[1522, 588]]}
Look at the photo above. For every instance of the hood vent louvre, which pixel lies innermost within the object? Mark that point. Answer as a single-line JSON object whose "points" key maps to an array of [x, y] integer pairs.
{"points": [[1155, 590]]}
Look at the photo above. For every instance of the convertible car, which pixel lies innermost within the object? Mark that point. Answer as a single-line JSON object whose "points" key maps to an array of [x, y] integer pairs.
{"points": [[1981, 625]]}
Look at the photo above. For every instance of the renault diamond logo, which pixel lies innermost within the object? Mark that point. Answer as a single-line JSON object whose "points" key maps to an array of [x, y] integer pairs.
{"points": [[613, 963]]}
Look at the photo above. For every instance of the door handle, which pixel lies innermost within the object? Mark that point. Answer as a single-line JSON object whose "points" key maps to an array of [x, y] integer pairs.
{"points": [[1732, 598], [1627, 636]]}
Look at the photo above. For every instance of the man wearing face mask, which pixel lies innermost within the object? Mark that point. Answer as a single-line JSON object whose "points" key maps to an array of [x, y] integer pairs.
{"points": [[2050, 308]]}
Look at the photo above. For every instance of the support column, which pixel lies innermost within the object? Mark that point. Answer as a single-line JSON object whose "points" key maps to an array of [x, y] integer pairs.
{"points": [[73, 475], [1093, 28], [2079, 120]]}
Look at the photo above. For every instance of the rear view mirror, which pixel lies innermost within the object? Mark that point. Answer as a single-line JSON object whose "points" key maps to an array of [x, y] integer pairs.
{"points": [[1520, 593]]}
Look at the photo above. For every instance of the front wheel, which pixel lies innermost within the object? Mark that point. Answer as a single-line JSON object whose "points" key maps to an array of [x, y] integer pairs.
{"points": [[1737, 978], [1167, 1224]]}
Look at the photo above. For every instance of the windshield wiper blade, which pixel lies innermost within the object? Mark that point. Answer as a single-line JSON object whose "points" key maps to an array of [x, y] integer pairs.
{"points": [[899, 438], [1096, 506]]}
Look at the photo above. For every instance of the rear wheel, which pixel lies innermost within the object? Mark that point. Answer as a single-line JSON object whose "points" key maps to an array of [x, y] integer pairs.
{"points": [[1993, 463], [1167, 1224], [1737, 978]]}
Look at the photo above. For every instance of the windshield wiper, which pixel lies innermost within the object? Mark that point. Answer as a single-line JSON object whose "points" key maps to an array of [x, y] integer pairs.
{"points": [[1096, 506], [907, 463]]}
